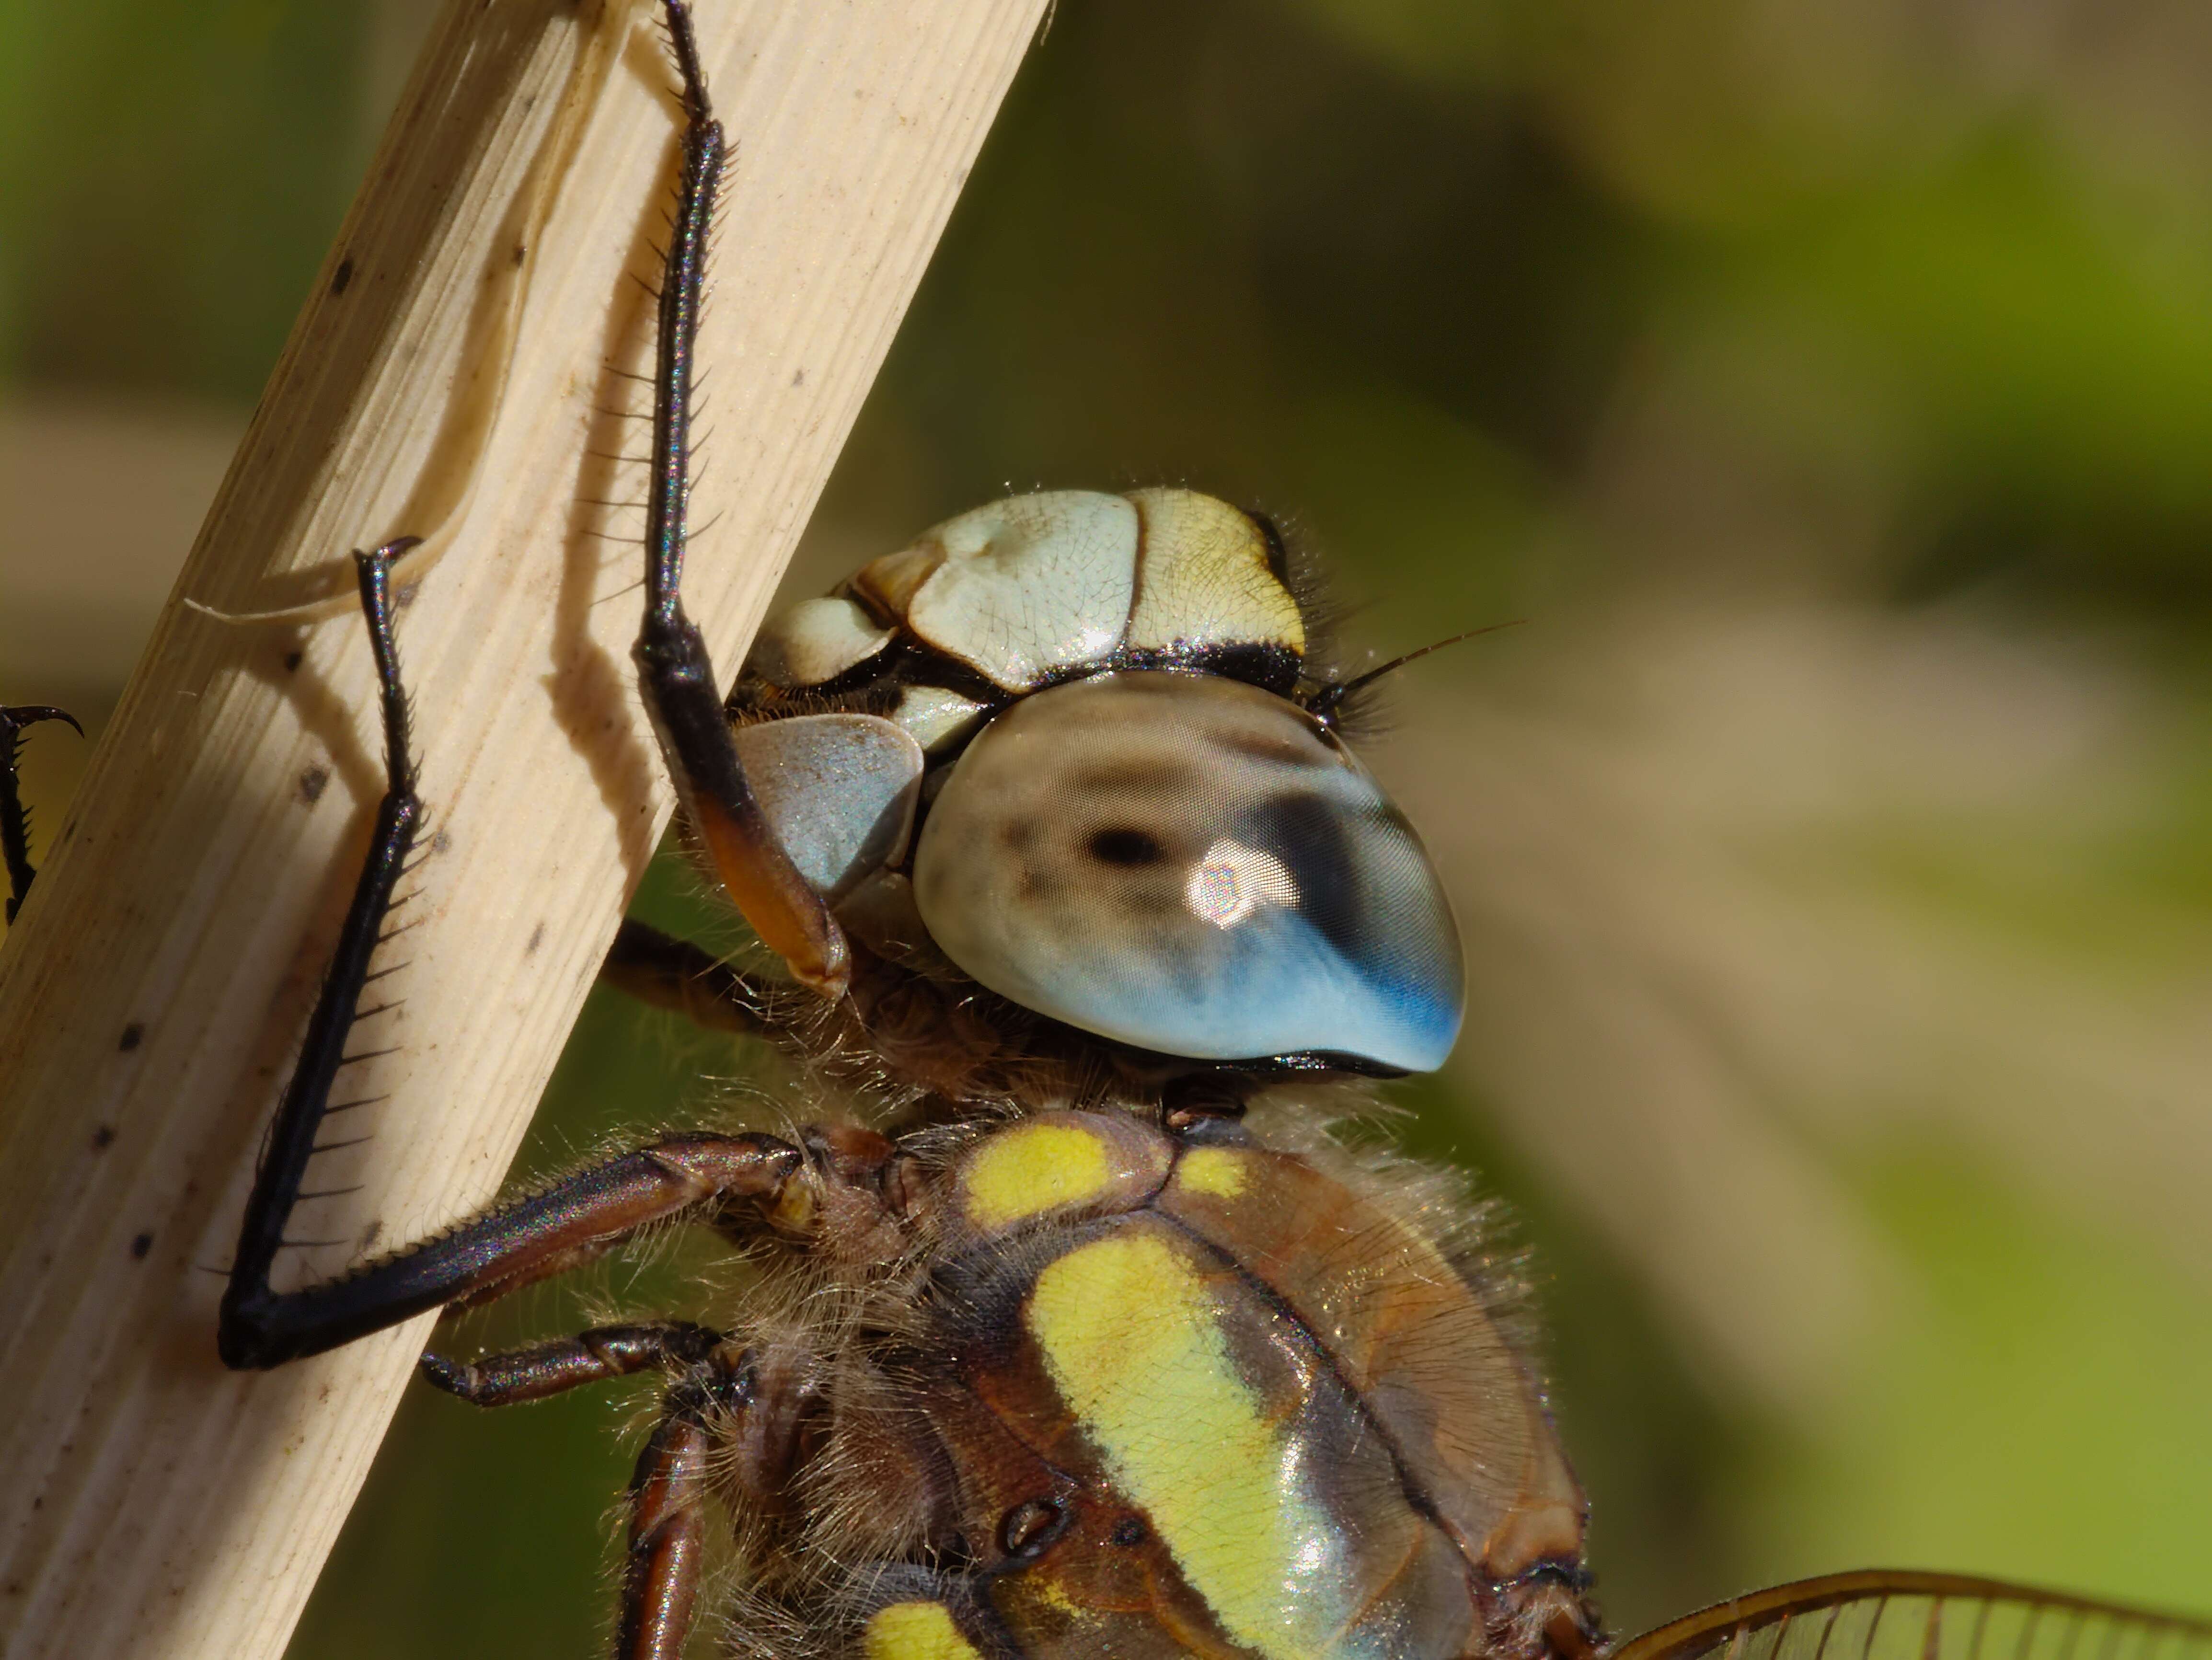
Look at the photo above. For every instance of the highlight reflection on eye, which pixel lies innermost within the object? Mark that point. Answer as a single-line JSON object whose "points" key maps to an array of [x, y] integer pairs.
{"points": [[1232, 880], [1193, 866]]}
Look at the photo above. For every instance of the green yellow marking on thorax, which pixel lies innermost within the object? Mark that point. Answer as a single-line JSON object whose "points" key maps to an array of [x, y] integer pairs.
{"points": [[1214, 1170], [916, 1631], [1130, 1332], [1031, 1169]]}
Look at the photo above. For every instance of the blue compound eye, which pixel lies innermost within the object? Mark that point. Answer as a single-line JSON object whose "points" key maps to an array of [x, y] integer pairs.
{"points": [[1193, 866]]}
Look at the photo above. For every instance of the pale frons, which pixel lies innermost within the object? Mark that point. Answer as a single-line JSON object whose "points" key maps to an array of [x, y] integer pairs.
{"points": [[443, 380]]}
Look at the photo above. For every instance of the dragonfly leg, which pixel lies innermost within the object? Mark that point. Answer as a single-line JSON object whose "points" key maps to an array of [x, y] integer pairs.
{"points": [[664, 972], [576, 1220], [14, 821], [675, 673], [593, 1211], [594, 1356], [569, 1223], [667, 1504], [730, 1413], [306, 1100]]}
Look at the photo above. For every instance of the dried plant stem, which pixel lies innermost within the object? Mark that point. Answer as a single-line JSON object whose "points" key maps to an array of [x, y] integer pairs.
{"points": [[459, 374]]}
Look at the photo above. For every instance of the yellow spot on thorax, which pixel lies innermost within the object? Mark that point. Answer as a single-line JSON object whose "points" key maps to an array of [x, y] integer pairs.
{"points": [[1215, 1170], [916, 1631], [1130, 1332], [1031, 1169]]}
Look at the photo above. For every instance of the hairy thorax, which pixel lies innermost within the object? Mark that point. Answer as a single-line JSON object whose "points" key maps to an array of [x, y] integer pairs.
{"points": [[1119, 1392]]}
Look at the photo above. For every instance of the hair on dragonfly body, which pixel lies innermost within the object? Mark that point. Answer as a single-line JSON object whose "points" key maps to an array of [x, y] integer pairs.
{"points": [[1077, 1332]]}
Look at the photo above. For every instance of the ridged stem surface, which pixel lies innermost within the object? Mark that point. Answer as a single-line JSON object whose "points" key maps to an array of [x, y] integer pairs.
{"points": [[449, 378]]}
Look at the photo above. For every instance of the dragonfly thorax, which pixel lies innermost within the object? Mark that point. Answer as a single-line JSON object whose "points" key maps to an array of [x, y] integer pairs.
{"points": [[1165, 1417]]}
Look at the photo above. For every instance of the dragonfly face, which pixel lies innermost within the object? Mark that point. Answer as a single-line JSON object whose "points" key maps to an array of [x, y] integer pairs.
{"points": [[1129, 822], [1191, 864]]}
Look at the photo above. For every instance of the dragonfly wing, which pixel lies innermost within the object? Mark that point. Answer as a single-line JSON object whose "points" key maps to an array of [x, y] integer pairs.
{"points": [[1881, 1614]]}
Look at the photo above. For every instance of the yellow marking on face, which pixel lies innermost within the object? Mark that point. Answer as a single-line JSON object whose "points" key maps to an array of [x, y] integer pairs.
{"points": [[916, 1631], [1131, 1333], [1034, 1168], [1214, 1170]]}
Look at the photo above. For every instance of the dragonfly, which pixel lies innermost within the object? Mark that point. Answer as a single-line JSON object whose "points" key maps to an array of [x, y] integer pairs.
{"points": [[1078, 1329]]}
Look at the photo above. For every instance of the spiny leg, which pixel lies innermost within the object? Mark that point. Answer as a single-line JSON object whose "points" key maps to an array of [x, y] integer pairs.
{"points": [[590, 1213], [675, 673], [14, 822], [248, 1302], [570, 1223], [573, 1220]]}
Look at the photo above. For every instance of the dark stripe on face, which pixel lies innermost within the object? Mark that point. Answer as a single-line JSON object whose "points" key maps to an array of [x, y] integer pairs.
{"points": [[1311, 835]]}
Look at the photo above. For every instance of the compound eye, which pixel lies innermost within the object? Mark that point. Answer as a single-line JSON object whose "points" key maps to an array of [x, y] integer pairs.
{"points": [[1193, 866]]}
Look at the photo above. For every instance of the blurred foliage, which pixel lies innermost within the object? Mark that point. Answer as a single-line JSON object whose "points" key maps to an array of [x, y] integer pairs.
{"points": [[1900, 308], [2044, 1331], [172, 176]]}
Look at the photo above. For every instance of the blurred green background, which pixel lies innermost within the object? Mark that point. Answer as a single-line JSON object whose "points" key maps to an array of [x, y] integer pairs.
{"points": [[1829, 382]]}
